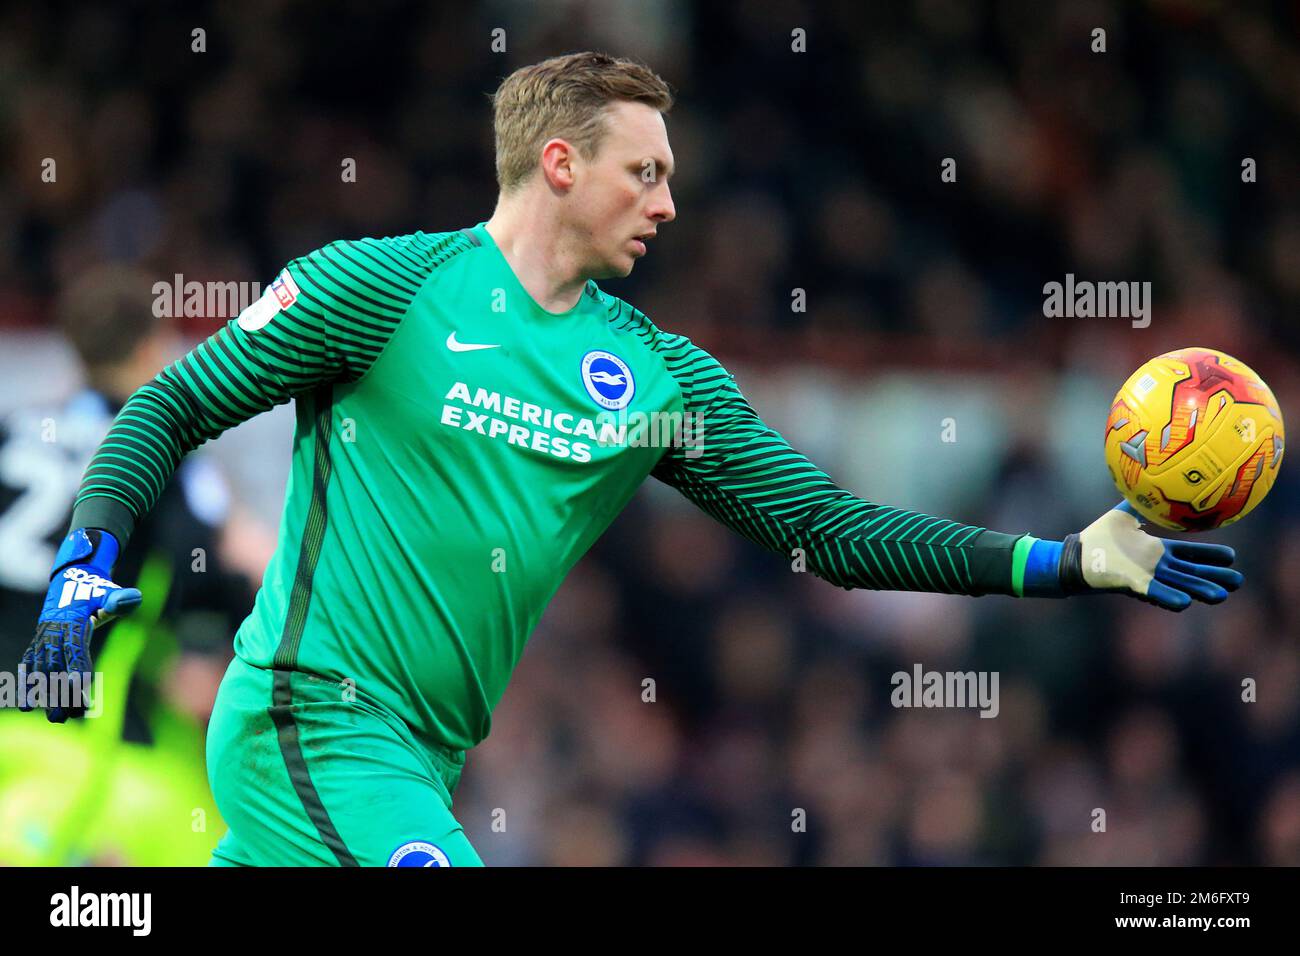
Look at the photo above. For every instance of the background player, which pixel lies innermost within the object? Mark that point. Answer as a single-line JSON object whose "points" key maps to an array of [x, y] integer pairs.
{"points": [[143, 748]]}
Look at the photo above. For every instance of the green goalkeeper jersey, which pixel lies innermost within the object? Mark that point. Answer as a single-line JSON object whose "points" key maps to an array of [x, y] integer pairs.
{"points": [[457, 450]]}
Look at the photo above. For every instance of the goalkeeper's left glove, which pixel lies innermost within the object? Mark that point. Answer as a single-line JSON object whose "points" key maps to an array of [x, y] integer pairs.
{"points": [[1112, 554]]}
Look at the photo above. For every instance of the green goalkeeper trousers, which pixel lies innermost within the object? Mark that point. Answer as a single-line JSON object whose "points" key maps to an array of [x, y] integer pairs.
{"points": [[306, 775]]}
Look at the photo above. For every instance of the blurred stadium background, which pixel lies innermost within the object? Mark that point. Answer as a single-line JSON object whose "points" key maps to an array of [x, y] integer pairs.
{"points": [[818, 171]]}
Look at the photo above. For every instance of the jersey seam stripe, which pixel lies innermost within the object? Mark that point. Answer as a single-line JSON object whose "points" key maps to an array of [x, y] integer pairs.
{"points": [[295, 762], [295, 618]]}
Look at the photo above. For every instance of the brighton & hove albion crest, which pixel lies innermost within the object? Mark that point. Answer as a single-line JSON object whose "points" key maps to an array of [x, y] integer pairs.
{"points": [[608, 379]]}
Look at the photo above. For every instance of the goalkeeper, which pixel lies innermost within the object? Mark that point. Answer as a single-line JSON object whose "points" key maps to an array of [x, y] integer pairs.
{"points": [[448, 470]]}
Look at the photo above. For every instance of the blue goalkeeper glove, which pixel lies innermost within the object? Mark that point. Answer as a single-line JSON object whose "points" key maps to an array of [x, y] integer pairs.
{"points": [[1113, 555], [81, 596]]}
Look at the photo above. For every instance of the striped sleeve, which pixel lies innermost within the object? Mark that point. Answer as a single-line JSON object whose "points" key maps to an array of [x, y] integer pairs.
{"points": [[747, 476], [325, 319]]}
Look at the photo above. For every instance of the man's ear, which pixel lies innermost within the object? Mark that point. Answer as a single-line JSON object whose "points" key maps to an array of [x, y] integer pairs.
{"points": [[558, 163]]}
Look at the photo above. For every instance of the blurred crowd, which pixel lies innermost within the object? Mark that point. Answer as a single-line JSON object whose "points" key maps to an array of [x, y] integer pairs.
{"points": [[688, 698]]}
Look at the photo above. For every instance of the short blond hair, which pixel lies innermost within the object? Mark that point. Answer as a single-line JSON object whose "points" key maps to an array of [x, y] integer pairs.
{"points": [[565, 96]]}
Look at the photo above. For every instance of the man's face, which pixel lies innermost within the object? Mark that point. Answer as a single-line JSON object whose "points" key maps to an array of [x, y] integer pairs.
{"points": [[620, 197]]}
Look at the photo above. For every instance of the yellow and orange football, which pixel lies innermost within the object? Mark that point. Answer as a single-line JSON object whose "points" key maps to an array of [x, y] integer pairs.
{"points": [[1194, 440]]}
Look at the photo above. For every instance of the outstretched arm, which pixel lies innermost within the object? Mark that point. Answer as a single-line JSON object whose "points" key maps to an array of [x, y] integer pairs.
{"points": [[747, 476]]}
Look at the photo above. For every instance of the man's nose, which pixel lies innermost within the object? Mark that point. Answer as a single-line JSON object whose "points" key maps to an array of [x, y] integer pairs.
{"points": [[663, 209]]}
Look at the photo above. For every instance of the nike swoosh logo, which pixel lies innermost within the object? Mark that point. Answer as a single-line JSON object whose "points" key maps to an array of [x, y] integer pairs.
{"points": [[466, 346]]}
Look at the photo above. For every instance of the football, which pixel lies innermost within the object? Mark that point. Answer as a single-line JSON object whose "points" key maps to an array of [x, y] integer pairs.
{"points": [[1194, 440]]}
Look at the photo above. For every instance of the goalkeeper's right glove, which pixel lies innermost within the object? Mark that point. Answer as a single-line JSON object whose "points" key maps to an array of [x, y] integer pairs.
{"points": [[81, 595], [1113, 555]]}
